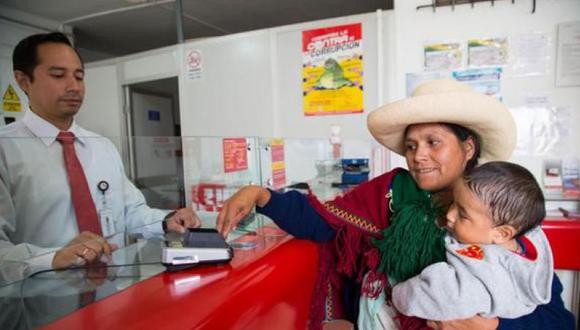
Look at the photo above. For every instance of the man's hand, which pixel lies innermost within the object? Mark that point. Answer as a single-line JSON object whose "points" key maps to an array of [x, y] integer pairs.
{"points": [[84, 249], [474, 323], [182, 219]]}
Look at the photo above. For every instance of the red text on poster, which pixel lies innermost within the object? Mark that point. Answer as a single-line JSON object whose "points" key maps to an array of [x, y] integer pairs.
{"points": [[235, 154]]}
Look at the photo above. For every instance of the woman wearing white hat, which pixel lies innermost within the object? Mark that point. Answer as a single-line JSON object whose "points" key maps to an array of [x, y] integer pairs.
{"points": [[385, 229]]}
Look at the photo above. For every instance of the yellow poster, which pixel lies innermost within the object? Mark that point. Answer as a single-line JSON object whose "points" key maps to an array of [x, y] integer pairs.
{"points": [[332, 70], [11, 101]]}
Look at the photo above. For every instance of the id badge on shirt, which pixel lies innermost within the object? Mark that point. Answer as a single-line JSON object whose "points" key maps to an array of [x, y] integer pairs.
{"points": [[105, 213], [107, 222]]}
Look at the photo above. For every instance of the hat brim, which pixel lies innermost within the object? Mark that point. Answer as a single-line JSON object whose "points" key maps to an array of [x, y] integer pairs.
{"points": [[482, 114]]}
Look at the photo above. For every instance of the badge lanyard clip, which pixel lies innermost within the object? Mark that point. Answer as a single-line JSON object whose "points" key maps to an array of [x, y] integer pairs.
{"points": [[105, 213]]}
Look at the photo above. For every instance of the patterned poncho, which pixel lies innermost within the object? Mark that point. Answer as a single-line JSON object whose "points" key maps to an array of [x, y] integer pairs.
{"points": [[385, 228]]}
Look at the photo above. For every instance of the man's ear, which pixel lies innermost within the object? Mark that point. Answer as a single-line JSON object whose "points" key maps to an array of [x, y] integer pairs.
{"points": [[23, 80], [503, 233]]}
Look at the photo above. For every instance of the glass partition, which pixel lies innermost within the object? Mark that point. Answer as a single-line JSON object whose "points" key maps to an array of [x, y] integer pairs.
{"points": [[133, 191], [314, 164]]}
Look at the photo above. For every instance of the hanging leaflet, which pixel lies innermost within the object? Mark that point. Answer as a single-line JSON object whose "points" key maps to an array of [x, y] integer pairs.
{"points": [[278, 163], [484, 80], [416, 79], [487, 52], [332, 70], [529, 52], [568, 58], [443, 56], [235, 154]]}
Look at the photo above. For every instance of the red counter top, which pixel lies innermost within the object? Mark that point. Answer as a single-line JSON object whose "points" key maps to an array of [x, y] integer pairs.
{"points": [[564, 237], [268, 287], [265, 288]]}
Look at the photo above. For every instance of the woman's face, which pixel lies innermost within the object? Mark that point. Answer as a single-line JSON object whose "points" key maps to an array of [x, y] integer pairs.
{"points": [[435, 156]]}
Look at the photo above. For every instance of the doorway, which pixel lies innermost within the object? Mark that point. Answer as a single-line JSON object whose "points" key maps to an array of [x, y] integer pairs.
{"points": [[155, 156]]}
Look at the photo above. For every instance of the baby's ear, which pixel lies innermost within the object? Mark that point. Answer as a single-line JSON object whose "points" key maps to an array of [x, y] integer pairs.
{"points": [[503, 233]]}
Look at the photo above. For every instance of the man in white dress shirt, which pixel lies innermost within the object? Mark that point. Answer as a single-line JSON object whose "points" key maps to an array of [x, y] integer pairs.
{"points": [[37, 217]]}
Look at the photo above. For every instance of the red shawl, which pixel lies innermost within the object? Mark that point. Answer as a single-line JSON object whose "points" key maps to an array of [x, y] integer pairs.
{"points": [[357, 216]]}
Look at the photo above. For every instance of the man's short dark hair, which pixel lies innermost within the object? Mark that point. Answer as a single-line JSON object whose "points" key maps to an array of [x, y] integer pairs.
{"points": [[511, 193], [25, 55]]}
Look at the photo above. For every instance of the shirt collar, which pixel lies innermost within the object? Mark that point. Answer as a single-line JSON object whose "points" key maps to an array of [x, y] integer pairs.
{"points": [[46, 131]]}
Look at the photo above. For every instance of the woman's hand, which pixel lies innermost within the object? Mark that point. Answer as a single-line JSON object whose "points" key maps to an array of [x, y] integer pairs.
{"points": [[475, 323], [240, 205]]}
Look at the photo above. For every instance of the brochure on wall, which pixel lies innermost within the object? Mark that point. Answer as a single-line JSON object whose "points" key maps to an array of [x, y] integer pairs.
{"points": [[529, 53], [416, 79], [443, 56], [487, 52], [235, 153], [332, 70], [484, 80], [568, 58], [524, 118], [552, 177], [278, 163], [571, 177], [552, 131]]}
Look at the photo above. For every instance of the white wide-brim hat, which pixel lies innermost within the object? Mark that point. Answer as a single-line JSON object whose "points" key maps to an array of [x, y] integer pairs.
{"points": [[447, 101]]}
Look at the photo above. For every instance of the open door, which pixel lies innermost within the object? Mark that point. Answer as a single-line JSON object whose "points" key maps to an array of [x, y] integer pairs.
{"points": [[155, 143]]}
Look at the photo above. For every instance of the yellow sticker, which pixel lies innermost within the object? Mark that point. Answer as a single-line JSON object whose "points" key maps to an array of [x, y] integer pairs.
{"points": [[11, 101]]}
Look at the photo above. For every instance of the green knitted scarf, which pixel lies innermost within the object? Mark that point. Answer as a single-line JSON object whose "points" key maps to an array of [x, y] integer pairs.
{"points": [[412, 241]]}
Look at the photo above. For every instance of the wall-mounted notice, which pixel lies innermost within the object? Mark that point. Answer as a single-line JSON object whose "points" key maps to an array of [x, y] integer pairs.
{"points": [[529, 53], [443, 56], [487, 52], [568, 58], [193, 64], [235, 154], [571, 177], [332, 70], [416, 79], [552, 178], [278, 163], [484, 80]]}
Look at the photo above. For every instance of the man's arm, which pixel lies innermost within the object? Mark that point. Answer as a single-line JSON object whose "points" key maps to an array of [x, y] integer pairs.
{"points": [[21, 260], [15, 258]]}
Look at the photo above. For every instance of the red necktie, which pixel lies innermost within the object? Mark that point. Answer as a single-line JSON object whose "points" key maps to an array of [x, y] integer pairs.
{"points": [[85, 211]]}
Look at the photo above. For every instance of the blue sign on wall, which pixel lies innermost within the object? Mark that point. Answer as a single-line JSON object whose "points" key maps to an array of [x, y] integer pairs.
{"points": [[154, 115]]}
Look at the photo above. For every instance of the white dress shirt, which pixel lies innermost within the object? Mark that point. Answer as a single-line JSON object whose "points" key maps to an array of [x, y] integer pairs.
{"points": [[36, 211]]}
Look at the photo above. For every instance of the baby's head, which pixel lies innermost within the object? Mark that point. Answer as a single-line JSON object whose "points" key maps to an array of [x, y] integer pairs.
{"points": [[494, 203]]}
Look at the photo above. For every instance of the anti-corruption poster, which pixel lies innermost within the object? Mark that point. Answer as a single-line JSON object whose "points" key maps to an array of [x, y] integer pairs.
{"points": [[332, 70]]}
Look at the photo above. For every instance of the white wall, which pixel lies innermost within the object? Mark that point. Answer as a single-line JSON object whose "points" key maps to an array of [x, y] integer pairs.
{"points": [[234, 95], [101, 111]]}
